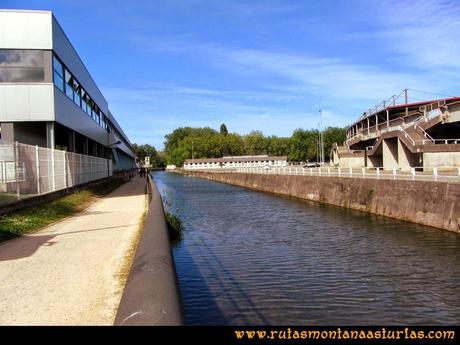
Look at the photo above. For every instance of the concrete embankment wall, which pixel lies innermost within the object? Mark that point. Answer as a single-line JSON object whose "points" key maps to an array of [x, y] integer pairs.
{"points": [[435, 204], [151, 296]]}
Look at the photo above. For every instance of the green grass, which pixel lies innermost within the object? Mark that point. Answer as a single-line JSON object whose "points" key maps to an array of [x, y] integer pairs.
{"points": [[174, 228], [7, 198], [32, 218]]}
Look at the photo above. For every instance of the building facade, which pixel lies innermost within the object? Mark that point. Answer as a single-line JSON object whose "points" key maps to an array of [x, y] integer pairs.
{"points": [[47, 96], [421, 135], [233, 162]]}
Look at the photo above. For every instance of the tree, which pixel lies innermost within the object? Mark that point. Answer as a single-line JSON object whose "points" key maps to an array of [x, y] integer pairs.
{"points": [[303, 145], [223, 129], [333, 135], [173, 139], [147, 150], [205, 142], [278, 146], [255, 143]]}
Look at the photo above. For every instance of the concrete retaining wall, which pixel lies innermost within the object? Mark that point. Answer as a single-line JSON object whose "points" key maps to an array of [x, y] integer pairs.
{"points": [[436, 204], [151, 296]]}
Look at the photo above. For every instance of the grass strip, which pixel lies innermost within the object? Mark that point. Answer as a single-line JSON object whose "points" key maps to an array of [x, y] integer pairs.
{"points": [[32, 218]]}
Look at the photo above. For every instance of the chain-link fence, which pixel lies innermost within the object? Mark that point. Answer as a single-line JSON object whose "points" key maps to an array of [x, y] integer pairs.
{"points": [[27, 170]]}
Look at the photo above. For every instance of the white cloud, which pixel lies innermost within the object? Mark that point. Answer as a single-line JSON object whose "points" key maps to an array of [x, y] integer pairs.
{"points": [[328, 79], [165, 107], [425, 33], [417, 39]]}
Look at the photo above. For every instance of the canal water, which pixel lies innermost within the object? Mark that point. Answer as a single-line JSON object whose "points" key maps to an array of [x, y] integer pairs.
{"points": [[249, 257]]}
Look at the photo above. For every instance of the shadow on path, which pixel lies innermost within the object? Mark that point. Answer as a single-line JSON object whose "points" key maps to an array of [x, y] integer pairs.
{"points": [[21, 247]]}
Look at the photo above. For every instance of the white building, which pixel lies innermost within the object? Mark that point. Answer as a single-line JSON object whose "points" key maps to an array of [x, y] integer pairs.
{"points": [[47, 96], [232, 162]]}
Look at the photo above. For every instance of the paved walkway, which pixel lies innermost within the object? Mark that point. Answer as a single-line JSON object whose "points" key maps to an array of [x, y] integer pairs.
{"points": [[68, 273]]}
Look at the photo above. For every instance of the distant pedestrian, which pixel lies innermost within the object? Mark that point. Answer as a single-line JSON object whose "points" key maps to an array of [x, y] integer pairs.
{"points": [[142, 172]]}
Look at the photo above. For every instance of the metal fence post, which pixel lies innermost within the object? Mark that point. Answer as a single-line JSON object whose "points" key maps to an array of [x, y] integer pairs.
{"points": [[378, 173], [53, 176], [412, 171], [339, 171], [311, 171], [394, 173], [37, 168], [64, 170], [364, 171], [435, 173], [16, 164], [351, 172]]}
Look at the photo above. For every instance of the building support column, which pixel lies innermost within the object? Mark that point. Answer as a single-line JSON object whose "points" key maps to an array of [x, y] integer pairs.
{"points": [[50, 135], [71, 141], [388, 119], [7, 133], [85, 146], [405, 157], [389, 154]]}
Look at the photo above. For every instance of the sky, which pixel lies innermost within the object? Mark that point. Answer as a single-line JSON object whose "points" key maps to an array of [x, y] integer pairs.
{"points": [[266, 65]]}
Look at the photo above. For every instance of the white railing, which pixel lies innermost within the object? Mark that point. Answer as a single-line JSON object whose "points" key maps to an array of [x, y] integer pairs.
{"points": [[446, 174], [27, 170], [406, 135], [383, 127], [439, 141], [425, 134]]}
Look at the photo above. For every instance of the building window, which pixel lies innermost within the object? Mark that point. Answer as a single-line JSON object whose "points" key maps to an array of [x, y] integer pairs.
{"points": [[83, 99], [21, 66], [58, 73], [76, 92], [93, 110], [96, 116], [89, 106], [68, 84], [105, 124]]}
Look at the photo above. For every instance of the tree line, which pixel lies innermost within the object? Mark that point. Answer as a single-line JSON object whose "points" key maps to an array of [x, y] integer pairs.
{"points": [[157, 159], [205, 142]]}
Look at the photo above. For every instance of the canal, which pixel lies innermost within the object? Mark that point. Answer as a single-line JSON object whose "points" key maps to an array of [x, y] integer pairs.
{"points": [[254, 258]]}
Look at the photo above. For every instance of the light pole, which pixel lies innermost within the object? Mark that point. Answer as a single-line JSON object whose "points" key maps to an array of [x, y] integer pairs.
{"points": [[110, 146], [321, 136], [318, 146]]}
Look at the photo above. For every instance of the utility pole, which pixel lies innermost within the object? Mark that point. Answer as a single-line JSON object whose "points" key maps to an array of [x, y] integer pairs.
{"points": [[406, 100], [192, 151], [321, 137], [318, 146]]}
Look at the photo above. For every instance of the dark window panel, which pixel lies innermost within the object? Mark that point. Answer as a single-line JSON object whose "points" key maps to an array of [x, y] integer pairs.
{"points": [[21, 75], [89, 105], [68, 84], [76, 93], [58, 81], [21, 65], [57, 66], [83, 99]]}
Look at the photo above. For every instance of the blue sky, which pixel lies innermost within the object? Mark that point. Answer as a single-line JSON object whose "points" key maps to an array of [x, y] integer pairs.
{"points": [[267, 65]]}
